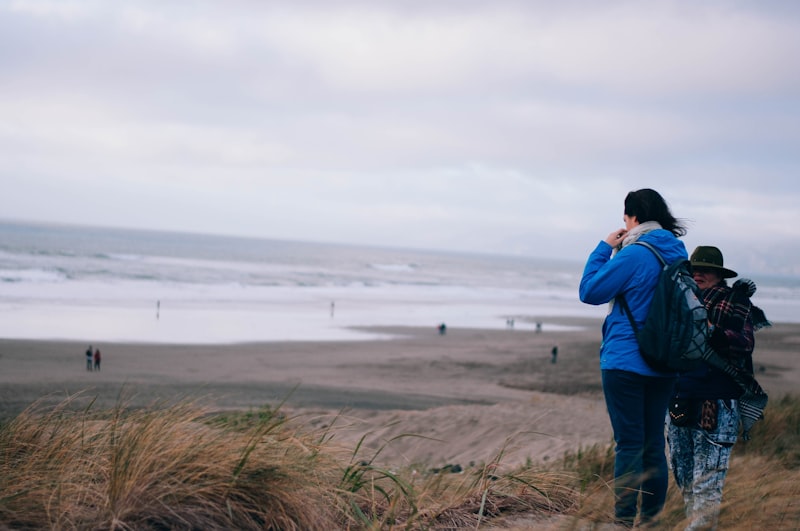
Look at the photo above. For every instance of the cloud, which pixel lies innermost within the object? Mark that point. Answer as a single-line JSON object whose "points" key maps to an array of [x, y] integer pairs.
{"points": [[493, 126]]}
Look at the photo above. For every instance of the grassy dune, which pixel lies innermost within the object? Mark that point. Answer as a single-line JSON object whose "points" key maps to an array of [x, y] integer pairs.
{"points": [[180, 467]]}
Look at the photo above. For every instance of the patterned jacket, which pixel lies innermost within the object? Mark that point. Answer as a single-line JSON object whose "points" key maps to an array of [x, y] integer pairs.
{"points": [[730, 313]]}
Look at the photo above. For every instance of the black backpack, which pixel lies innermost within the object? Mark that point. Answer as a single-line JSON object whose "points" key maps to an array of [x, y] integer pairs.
{"points": [[675, 333]]}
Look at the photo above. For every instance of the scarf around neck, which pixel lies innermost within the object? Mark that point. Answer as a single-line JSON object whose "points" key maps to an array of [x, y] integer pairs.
{"points": [[633, 235], [636, 232], [731, 308]]}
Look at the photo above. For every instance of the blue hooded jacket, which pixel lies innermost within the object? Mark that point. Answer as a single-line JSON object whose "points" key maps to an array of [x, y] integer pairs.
{"points": [[633, 272]]}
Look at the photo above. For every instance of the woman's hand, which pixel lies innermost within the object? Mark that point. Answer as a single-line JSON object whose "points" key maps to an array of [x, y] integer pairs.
{"points": [[615, 238]]}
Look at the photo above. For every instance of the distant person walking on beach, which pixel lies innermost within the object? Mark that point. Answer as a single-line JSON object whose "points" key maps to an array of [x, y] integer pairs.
{"points": [[89, 358], [97, 359], [554, 354], [636, 395], [704, 413]]}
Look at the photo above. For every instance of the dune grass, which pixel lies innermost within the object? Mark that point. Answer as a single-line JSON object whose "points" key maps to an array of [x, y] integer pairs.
{"points": [[159, 468], [761, 489], [180, 467]]}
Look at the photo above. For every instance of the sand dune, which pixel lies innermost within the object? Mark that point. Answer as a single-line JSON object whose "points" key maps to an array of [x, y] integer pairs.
{"points": [[460, 398]]}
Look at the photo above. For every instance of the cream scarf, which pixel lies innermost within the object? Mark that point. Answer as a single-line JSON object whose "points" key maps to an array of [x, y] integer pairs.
{"points": [[636, 232], [630, 237]]}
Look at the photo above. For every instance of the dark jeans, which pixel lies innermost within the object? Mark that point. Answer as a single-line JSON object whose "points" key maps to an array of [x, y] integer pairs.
{"points": [[637, 406]]}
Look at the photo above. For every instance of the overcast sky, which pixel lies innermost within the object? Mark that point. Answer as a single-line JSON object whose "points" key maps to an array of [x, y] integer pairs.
{"points": [[488, 126]]}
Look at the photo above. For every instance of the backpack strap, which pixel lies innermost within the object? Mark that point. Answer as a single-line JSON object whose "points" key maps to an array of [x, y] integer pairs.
{"points": [[621, 298], [654, 250]]}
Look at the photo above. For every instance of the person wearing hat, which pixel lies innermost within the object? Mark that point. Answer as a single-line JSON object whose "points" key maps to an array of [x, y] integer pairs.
{"points": [[704, 413]]}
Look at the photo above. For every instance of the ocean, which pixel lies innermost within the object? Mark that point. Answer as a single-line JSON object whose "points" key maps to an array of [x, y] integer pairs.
{"points": [[98, 284]]}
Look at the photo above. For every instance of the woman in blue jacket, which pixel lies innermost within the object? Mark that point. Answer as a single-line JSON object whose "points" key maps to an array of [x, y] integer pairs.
{"points": [[636, 395]]}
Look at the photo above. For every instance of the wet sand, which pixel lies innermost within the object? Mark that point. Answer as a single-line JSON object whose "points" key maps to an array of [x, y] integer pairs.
{"points": [[465, 395]]}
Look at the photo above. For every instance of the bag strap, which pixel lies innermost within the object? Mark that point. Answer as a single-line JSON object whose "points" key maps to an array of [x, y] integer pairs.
{"points": [[654, 250], [621, 297]]}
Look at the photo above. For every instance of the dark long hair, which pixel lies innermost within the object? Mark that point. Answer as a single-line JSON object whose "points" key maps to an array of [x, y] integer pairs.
{"points": [[648, 205]]}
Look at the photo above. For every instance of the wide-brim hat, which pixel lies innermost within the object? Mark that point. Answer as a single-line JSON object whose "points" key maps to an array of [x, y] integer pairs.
{"points": [[711, 257]]}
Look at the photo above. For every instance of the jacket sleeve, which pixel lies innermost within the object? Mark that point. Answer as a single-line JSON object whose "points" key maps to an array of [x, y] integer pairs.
{"points": [[604, 278]]}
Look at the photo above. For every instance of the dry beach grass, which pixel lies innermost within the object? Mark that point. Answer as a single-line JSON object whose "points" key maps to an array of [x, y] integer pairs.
{"points": [[371, 431]]}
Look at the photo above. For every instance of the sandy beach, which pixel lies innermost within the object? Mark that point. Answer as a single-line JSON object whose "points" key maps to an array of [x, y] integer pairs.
{"points": [[457, 398]]}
